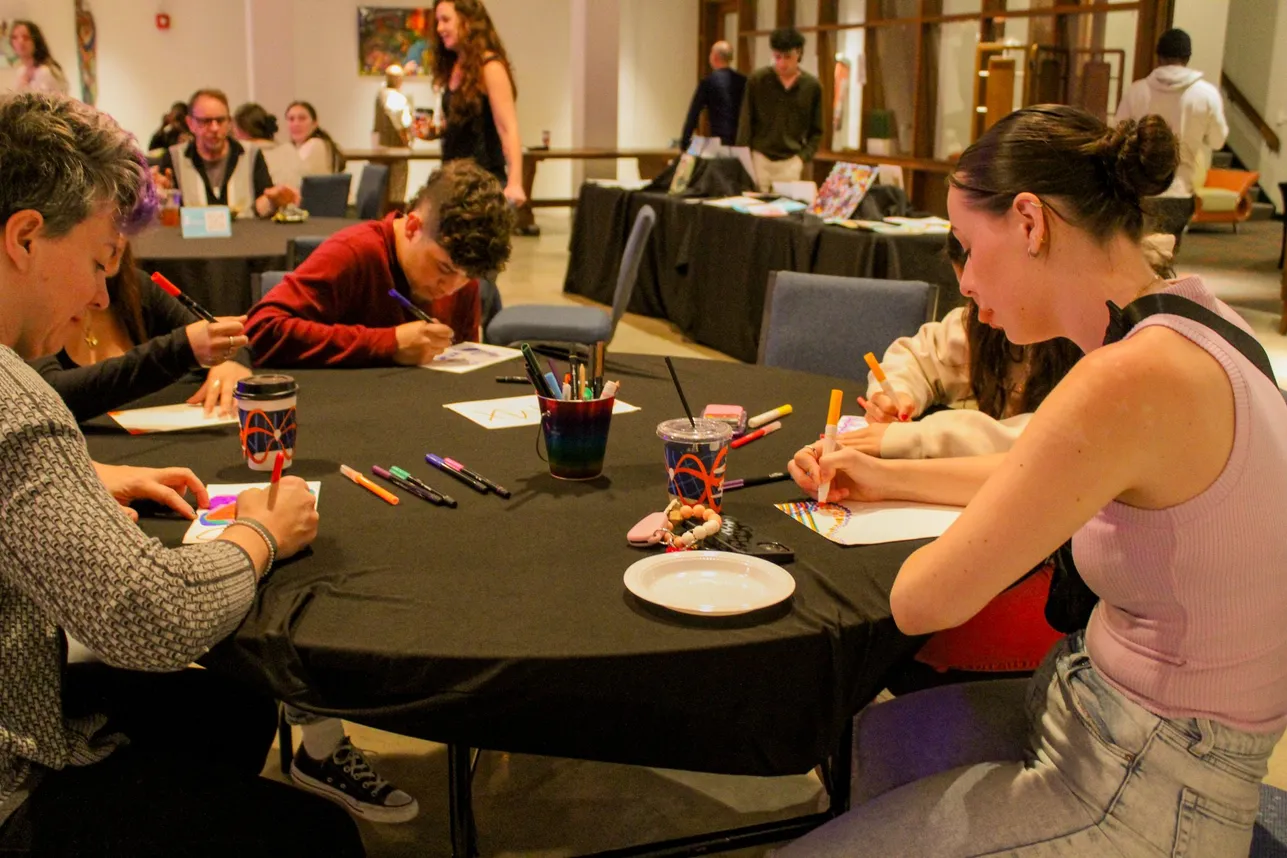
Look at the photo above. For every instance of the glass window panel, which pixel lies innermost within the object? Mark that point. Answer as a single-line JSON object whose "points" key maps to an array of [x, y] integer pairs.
{"points": [[954, 113], [891, 79]]}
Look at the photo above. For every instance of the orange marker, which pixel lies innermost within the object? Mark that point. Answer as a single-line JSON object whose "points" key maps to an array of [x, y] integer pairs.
{"points": [[882, 380], [829, 437], [368, 485]]}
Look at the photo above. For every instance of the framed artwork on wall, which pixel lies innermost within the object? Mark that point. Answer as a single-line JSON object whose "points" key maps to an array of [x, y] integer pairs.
{"points": [[393, 37]]}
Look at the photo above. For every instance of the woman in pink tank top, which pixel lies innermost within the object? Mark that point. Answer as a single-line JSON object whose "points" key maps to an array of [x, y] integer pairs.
{"points": [[1163, 455]]}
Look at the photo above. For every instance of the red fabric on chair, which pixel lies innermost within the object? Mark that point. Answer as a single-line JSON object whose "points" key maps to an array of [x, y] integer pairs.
{"points": [[1009, 634]]}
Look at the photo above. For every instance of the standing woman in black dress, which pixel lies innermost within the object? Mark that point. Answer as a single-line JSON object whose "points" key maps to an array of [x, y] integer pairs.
{"points": [[472, 71]]}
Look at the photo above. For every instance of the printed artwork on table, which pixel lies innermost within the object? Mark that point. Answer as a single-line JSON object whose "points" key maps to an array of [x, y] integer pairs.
{"points": [[511, 411], [683, 174], [857, 523], [844, 189]]}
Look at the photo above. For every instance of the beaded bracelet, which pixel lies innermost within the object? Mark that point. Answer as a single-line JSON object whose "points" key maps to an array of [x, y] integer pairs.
{"points": [[267, 536], [676, 512]]}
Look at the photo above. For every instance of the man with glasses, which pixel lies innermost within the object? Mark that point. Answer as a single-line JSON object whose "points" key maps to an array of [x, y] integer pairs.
{"points": [[216, 170], [781, 113], [335, 310]]}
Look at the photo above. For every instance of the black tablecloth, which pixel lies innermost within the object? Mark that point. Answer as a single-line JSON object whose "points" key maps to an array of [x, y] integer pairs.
{"points": [[706, 269], [505, 624], [216, 271]]}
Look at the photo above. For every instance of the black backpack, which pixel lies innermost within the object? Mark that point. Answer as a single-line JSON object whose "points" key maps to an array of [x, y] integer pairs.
{"points": [[1070, 601]]}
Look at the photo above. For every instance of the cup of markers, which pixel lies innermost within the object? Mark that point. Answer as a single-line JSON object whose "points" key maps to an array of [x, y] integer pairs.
{"points": [[576, 435]]}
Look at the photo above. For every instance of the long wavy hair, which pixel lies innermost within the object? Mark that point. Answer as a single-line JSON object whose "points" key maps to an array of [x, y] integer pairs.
{"points": [[992, 356], [40, 48], [477, 43], [125, 302]]}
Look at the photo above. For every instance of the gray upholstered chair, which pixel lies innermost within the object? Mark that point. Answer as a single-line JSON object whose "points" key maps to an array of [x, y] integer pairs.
{"points": [[825, 324], [373, 185], [300, 247], [262, 284], [326, 196], [576, 326]]}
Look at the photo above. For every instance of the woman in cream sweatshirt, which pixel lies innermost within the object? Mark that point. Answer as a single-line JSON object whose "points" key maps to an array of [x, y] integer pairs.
{"points": [[973, 389]]}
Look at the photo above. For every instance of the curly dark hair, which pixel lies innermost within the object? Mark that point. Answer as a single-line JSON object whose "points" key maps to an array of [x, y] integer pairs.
{"points": [[478, 44], [469, 216]]}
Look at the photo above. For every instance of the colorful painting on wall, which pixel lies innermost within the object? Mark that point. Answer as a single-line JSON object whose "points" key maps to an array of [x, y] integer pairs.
{"points": [[87, 52], [393, 37]]}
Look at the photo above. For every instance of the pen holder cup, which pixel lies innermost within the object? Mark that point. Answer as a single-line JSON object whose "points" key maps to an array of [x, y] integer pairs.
{"points": [[576, 436]]}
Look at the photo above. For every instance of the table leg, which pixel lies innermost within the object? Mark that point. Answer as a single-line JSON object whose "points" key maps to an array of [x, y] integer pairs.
{"points": [[526, 221], [464, 839]]}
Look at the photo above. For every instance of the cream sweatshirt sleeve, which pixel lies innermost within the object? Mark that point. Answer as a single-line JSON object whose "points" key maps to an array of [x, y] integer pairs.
{"points": [[946, 434], [933, 366]]}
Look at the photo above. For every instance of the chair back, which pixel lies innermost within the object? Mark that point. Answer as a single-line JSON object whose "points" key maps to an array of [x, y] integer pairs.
{"points": [[262, 284], [326, 196], [628, 273], [824, 324], [373, 186], [300, 248], [1269, 835]]}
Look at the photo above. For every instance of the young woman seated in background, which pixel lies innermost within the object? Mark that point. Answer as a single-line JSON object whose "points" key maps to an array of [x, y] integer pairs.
{"points": [[973, 389], [142, 342], [318, 153]]}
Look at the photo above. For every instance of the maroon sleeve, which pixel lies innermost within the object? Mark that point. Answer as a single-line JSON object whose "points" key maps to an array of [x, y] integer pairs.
{"points": [[299, 322], [462, 311]]}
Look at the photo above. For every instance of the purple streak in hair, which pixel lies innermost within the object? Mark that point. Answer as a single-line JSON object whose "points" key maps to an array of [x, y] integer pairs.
{"points": [[146, 205]]}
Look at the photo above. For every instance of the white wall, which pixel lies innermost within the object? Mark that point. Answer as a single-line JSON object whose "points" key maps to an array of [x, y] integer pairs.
{"points": [[1206, 21], [57, 20], [1256, 60], [142, 70], [657, 73]]}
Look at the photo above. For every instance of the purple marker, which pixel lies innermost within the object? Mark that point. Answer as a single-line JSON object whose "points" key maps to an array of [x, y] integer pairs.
{"points": [[441, 464]]}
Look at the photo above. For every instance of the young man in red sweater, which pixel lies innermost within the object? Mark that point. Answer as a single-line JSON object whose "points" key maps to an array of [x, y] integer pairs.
{"points": [[335, 310]]}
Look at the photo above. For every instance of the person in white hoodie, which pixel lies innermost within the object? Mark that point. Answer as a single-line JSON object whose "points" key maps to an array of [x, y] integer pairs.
{"points": [[1191, 106]]}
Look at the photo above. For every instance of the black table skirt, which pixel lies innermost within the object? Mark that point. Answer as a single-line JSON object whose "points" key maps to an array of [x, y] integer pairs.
{"points": [[706, 269], [217, 271], [505, 624]]}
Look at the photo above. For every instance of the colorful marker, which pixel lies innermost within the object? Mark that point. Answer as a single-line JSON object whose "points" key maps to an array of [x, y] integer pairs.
{"points": [[829, 437], [411, 308], [405, 485], [777, 477], [885, 386], [441, 464], [169, 288], [500, 490], [756, 435], [768, 417], [443, 499], [382, 494]]}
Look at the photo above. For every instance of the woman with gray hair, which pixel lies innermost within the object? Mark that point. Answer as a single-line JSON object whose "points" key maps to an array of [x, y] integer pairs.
{"points": [[97, 759]]}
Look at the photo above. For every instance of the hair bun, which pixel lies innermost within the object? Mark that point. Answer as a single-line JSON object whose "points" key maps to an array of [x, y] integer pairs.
{"points": [[1139, 157], [270, 125]]}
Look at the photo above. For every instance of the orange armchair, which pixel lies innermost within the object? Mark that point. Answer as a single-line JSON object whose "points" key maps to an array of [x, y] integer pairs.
{"points": [[1225, 197]]}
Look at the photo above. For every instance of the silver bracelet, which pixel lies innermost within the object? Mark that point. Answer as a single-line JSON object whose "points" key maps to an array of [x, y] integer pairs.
{"points": [[267, 536]]}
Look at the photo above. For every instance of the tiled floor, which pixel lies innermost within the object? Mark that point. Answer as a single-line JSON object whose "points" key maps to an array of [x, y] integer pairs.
{"points": [[536, 806]]}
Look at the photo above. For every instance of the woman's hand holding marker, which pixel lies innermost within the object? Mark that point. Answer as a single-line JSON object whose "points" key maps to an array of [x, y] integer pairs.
{"points": [[888, 405]]}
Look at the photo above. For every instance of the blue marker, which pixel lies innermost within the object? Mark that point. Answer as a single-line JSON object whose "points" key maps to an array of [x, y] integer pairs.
{"points": [[554, 385], [412, 308]]}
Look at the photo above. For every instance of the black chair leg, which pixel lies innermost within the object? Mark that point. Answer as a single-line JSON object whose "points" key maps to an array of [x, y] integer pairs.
{"points": [[285, 742]]}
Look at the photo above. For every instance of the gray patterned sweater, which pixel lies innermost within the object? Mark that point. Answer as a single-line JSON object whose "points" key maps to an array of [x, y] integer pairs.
{"points": [[71, 559]]}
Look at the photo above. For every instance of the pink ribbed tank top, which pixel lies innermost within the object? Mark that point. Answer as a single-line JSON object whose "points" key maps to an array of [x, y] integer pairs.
{"points": [[1193, 617]]}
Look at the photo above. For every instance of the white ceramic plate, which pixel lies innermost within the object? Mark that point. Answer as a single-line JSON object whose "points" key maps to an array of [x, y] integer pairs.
{"points": [[710, 583]]}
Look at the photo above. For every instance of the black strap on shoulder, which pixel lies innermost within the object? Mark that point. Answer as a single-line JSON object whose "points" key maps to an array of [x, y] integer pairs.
{"points": [[1122, 320]]}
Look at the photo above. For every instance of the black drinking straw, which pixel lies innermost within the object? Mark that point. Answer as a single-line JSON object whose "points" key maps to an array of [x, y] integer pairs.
{"points": [[680, 390]]}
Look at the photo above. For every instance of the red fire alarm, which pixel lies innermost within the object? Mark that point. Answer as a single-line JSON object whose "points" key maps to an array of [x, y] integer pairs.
{"points": [[162, 21]]}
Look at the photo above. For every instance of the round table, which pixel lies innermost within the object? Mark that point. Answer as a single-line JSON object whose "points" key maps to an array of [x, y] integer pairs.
{"points": [[504, 624], [216, 272]]}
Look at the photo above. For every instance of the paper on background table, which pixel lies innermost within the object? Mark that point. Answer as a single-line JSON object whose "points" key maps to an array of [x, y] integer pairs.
{"points": [[467, 357], [513, 411], [854, 523], [206, 529], [168, 418], [850, 422]]}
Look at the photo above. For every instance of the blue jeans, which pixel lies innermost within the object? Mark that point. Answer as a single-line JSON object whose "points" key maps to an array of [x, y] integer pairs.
{"points": [[1059, 765]]}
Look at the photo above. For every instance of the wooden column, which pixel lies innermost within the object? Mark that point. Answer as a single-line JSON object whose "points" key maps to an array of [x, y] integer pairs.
{"points": [[1155, 17], [747, 15], [925, 98], [786, 14], [828, 13]]}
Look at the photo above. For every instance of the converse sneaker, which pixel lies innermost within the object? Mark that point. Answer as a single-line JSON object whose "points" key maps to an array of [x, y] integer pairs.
{"points": [[346, 778]]}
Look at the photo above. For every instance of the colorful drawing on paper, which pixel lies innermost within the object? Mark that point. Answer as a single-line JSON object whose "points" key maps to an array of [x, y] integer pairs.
{"points": [[467, 357], [206, 528], [856, 523], [394, 37], [843, 190]]}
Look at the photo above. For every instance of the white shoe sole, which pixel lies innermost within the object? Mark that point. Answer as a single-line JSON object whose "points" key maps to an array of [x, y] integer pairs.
{"points": [[365, 810]]}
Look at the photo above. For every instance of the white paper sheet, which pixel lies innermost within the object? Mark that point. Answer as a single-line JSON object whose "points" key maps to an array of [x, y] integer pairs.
{"points": [[467, 357], [206, 529], [168, 418], [854, 523], [513, 411]]}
